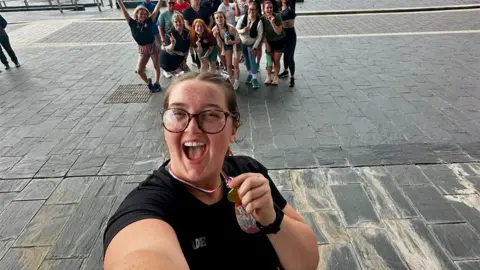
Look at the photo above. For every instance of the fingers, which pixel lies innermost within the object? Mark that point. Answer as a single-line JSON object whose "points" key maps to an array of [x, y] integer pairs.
{"points": [[259, 203], [254, 194], [251, 183]]}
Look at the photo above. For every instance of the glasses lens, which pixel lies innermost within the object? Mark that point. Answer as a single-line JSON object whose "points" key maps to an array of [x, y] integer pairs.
{"points": [[212, 121], [175, 120]]}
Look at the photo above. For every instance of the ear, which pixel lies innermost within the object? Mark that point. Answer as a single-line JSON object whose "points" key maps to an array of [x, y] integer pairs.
{"points": [[234, 134]]}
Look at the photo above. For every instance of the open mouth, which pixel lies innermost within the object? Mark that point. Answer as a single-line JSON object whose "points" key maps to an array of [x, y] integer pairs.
{"points": [[194, 150]]}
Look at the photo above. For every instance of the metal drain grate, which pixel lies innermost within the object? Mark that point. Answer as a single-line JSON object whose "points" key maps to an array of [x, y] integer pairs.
{"points": [[130, 93]]}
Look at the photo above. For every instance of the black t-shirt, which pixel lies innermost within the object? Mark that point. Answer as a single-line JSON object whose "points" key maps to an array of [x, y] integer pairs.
{"points": [[203, 13], [182, 40], [142, 32], [209, 235]]}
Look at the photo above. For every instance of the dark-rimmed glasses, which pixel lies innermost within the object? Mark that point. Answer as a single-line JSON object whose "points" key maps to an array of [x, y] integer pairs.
{"points": [[209, 121]]}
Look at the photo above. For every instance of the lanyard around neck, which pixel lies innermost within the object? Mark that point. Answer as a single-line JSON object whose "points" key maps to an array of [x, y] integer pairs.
{"points": [[204, 190]]}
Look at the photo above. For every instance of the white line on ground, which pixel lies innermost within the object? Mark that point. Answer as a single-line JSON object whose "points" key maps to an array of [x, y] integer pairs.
{"points": [[393, 34]]}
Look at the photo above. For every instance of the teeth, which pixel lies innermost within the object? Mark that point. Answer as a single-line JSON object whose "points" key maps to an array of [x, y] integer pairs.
{"points": [[193, 144]]}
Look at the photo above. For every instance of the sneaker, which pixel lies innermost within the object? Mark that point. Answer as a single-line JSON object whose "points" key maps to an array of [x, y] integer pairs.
{"points": [[255, 84], [275, 80], [7, 67], [284, 74], [249, 79], [292, 82], [236, 85], [17, 64], [156, 88], [268, 80], [150, 85], [167, 75]]}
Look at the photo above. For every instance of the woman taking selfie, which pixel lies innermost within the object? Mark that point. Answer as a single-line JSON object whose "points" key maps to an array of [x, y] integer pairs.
{"points": [[202, 209], [141, 28], [205, 44], [229, 45]]}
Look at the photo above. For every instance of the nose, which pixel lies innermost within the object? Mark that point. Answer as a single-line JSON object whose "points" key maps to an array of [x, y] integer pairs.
{"points": [[193, 126]]}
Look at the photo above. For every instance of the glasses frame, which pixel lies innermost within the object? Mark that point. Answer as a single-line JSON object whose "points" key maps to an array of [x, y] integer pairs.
{"points": [[195, 115]]}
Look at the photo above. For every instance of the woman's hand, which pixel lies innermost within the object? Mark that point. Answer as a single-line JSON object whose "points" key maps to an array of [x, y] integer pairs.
{"points": [[254, 191], [172, 39], [199, 43], [215, 32]]}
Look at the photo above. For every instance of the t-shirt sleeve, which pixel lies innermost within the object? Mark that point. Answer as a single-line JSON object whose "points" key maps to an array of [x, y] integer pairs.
{"points": [[132, 22], [145, 201], [161, 21], [278, 19]]}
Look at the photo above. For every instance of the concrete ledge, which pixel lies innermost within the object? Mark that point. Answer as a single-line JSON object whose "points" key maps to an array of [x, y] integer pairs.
{"points": [[386, 10]]}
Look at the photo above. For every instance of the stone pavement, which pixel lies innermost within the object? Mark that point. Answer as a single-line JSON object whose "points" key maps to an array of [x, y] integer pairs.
{"points": [[377, 145]]}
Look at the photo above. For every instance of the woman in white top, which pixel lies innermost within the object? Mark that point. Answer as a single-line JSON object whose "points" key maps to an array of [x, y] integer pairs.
{"points": [[240, 7], [228, 11]]}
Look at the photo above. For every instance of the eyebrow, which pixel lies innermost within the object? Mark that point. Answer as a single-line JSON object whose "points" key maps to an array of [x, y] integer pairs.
{"points": [[183, 105]]}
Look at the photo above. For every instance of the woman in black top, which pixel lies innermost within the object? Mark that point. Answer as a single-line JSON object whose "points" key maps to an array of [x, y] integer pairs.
{"points": [[173, 56], [141, 28], [202, 209], [288, 21]]}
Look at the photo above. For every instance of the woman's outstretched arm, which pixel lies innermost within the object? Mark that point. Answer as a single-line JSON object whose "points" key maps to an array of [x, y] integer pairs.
{"points": [[124, 10]]}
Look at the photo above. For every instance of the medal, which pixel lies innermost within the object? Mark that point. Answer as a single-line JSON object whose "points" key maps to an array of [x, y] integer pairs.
{"points": [[246, 222]]}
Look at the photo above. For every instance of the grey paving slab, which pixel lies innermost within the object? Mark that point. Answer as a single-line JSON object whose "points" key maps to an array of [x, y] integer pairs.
{"points": [[13, 185], [431, 204], [16, 216], [74, 264], [38, 189], [27, 167], [355, 205], [459, 240], [337, 256], [24, 258], [86, 222], [70, 190], [46, 226], [468, 265]]}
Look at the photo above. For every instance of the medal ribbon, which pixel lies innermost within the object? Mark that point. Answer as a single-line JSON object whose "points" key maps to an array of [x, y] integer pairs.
{"points": [[204, 190]]}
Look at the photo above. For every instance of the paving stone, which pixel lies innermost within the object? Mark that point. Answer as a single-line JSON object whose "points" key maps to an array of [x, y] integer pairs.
{"points": [[105, 186], [417, 246], [360, 156], [469, 207], [340, 176], [284, 141], [89, 143], [136, 178], [431, 204], [42, 148], [357, 210], [21, 148], [330, 156], [281, 178], [23, 258], [445, 179], [116, 135], [459, 240], [152, 147], [73, 264], [16, 216], [311, 191], [375, 249], [387, 198], [106, 149], [13, 185], [118, 164], [70, 190], [27, 167], [87, 165], [4, 247], [6, 199], [57, 166], [407, 175], [68, 144], [272, 159], [95, 260], [38, 189], [146, 164], [468, 265], [300, 158], [337, 257], [83, 228], [45, 227]]}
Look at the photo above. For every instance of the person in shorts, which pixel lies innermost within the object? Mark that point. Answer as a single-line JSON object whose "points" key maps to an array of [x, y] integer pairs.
{"points": [[274, 39], [205, 44], [141, 27]]}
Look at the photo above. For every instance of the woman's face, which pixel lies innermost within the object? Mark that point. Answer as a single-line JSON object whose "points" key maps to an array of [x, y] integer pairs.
{"points": [[142, 15], [206, 159], [269, 8], [199, 29], [178, 24], [219, 19]]}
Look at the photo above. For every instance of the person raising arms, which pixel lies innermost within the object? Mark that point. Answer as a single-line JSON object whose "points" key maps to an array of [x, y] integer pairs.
{"points": [[202, 209], [141, 28], [205, 44]]}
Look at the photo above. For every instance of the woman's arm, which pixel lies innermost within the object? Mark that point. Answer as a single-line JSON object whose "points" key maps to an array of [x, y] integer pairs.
{"points": [[295, 243], [235, 34], [124, 11], [135, 248], [259, 36], [277, 28], [156, 10], [239, 25], [236, 9]]}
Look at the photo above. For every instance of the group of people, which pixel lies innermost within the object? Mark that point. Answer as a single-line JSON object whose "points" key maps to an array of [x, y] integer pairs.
{"points": [[216, 34], [5, 43]]}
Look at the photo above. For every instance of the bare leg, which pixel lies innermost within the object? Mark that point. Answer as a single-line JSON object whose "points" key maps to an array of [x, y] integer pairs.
{"points": [[213, 66], [156, 67], [142, 62], [228, 63], [236, 64], [204, 65]]}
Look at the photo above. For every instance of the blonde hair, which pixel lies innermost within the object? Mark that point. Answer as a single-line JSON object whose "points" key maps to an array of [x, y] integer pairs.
{"points": [[137, 10], [176, 15]]}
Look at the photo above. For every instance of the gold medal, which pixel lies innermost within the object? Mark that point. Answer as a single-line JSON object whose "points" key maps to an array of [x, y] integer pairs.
{"points": [[233, 195]]}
